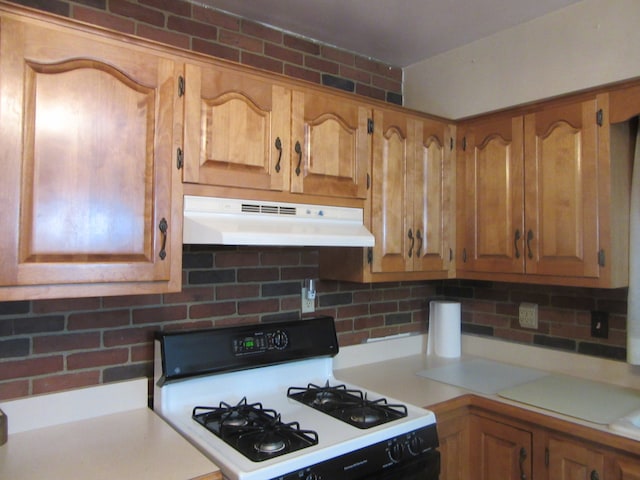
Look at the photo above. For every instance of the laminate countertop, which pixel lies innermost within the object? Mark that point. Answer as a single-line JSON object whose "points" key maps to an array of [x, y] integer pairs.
{"points": [[393, 368], [131, 442]]}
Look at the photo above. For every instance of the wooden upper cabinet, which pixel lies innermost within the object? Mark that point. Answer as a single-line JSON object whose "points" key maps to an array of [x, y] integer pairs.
{"points": [[330, 145], [433, 182], [90, 190], [237, 129], [248, 131], [411, 196], [545, 196], [392, 204], [561, 200], [491, 183]]}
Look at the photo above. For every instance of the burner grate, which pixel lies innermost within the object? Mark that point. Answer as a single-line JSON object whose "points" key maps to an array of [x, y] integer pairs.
{"points": [[256, 432], [349, 405]]}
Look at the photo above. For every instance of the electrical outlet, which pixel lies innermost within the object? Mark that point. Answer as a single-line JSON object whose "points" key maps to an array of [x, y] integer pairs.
{"points": [[308, 305], [599, 324], [528, 315]]}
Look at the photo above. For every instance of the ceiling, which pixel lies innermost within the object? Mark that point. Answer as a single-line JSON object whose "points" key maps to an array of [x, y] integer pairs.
{"points": [[397, 32]]}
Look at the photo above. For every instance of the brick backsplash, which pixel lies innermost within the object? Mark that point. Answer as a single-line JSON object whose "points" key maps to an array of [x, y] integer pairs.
{"points": [[191, 26], [52, 345]]}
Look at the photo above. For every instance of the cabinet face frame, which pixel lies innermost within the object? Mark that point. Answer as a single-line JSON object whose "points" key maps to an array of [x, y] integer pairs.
{"points": [[54, 183]]}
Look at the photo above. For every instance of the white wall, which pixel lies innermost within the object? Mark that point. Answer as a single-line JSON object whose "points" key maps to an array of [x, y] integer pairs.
{"points": [[589, 43]]}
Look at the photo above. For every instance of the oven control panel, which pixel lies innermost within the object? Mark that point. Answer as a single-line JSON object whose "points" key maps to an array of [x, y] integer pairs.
{"points": [[261, 342]]}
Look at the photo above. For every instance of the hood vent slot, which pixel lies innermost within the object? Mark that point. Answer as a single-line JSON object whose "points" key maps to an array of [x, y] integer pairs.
{"points": [[270, 209]]}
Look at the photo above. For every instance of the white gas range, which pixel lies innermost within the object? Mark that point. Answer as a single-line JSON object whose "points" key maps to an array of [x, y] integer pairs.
{"points": [[262, 402]]}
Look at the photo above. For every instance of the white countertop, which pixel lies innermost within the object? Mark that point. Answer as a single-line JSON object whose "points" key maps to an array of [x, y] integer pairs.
{"points": [[130, 442], [390, 367]]}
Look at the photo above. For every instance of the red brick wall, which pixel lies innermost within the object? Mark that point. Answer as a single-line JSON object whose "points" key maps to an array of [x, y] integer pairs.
{"points": [[52, 345], [208, 31]]}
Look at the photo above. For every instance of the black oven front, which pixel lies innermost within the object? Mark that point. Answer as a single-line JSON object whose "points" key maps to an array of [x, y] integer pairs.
{"points": [[410, 456]]}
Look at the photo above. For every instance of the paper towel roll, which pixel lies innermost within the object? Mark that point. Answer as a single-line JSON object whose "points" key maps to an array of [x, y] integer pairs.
{"points": [[444, 329]]}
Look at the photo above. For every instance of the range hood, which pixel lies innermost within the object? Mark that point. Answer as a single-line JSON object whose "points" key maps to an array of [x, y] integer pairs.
{"points": [[225, 221]]}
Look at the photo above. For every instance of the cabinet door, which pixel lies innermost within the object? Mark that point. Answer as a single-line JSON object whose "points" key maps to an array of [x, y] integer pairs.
{"points": [[392, 205], [561, 203], [453, 435], [573, 461], [88, 160], [626, 468], [499, 451], [493, 219], [236, 130], [431, 190], [330, 146]]}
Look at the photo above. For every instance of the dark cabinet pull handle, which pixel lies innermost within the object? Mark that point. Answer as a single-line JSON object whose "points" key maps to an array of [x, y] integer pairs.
{"points": [[529, 238], [594, 475], [279, 148], [464, 255], [164, 226], [299, 152], [523, 457], [419, 236], [515, 242], [410, 235]]}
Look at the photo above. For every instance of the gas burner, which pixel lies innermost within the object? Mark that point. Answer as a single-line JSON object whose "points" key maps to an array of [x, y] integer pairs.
{"points": [[256, 432], [348, 405]]}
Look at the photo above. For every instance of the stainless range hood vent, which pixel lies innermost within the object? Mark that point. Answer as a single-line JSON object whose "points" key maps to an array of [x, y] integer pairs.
{"points": [[227, 221]]}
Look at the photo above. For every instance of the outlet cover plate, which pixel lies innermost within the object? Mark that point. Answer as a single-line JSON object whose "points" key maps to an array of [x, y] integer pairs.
{"points": [[528, 315], [308, 305], [599, 324]]}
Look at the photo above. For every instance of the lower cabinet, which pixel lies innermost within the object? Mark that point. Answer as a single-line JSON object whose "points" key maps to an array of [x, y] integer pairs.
{"points": [[570, 460], [453, 435], [481, 439], [625, 468], [499, 450]]}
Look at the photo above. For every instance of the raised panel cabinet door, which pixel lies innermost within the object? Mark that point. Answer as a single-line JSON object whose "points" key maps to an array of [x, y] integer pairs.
{"points": [[432, 179], [391, 204], [561, 190], [453, 435], [499, 451], [626, 468], [493, 197], [237, 130], [87, 155], [330, 145], [569, 460]]}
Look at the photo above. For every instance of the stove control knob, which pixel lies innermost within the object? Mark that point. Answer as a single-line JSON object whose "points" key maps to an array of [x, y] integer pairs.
{"points": [[396, 451], [415, 445], [280, 340]]}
